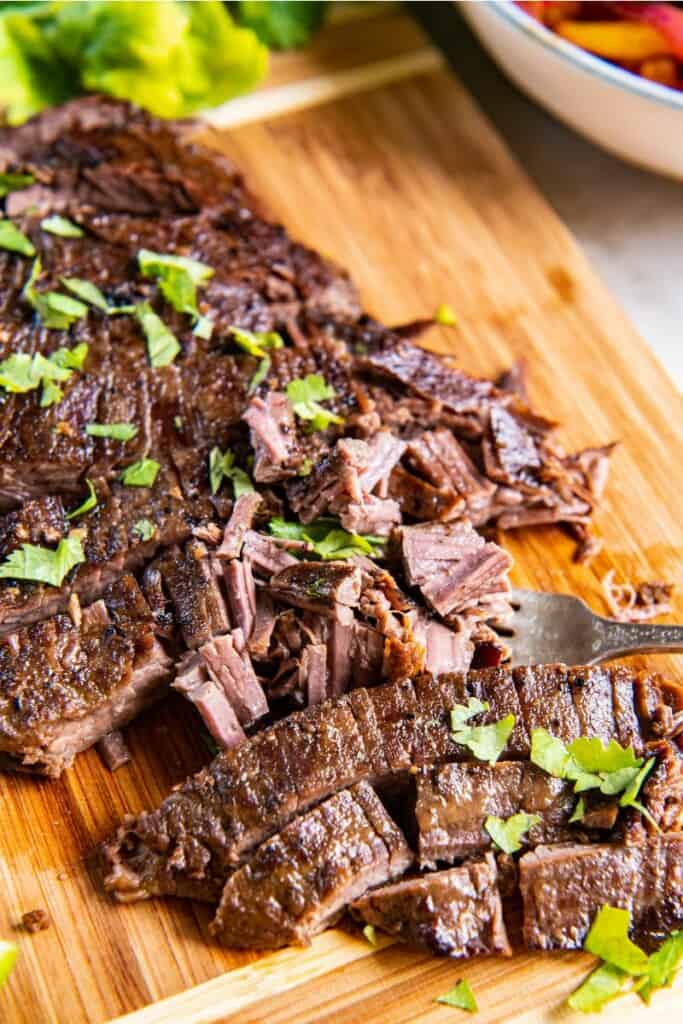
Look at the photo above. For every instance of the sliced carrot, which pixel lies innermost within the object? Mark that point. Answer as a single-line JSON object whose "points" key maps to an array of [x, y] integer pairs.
{"points": [[615, 40]]}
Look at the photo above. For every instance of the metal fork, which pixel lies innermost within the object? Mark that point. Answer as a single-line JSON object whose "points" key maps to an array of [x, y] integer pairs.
{"points": [[548, 628]]}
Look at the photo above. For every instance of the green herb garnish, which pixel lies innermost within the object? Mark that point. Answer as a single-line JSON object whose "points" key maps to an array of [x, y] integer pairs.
{"points": [[56, 311], [662, 966], [43, 565], [8, 955], [611, 769], [162, 344], [140, 474], [370, 934], [12, 239], [327, 539], [61, 226], [445, 315], [117, 431], [87, 505], [486, 742], [21, 372], [306, 394], [603, 985], [507, 832], [257, 343], [260, 374], [87, 291], [222, 466], [203, 328], [461, 996], [608, 939], [178, 278], [579, 811], [144, 529], [14, 182]]}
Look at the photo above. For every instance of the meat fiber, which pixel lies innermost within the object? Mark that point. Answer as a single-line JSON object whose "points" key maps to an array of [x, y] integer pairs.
{"points": [[70, 680], [564, 887], [211, 822], [456, 913], [299, 882]]}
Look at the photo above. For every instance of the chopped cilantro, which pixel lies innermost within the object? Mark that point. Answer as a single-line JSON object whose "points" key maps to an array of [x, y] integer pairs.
{"points": [[140, 474], [117, 431], [603, 985], [222, 465], [8, 955], [203, 328], [370, 934], [445, 315], [486, 742], [71, 358], [12, 239], [43, 565], [86, 506], [178, 278], [507, 832], [14, 182], [21, 372], [628, 797], [260, 374], [144, 529], [579, 811], [662, 966], [87, 291], [327, 539], [162, 344], [56, 311], [461, 996], [61, 226], [256, 343], [608, 939], [306, 394]]}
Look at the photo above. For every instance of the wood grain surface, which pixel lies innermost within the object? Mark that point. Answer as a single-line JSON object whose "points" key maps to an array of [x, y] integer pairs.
{"points": [[410, 189]]}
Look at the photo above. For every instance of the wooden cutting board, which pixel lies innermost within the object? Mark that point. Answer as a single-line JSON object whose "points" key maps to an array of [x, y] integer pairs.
{"points": [[407, 185]]}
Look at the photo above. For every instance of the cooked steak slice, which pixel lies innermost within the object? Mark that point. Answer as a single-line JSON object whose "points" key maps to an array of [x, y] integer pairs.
{"points": [[456, 570], [333, 483], [662, 792], [113, 750], [372, 515], [564, 887], [72, 679], [228, 662], [191, 578], [456, 913], [248, 793], [209, 696], [313, 678], [330, 588], [241, 590], [42, 521], [299, 882], [438, 457], [241, 520], [274, 438], [420, 500], [454, 801], [265, 554], [446, 650]]}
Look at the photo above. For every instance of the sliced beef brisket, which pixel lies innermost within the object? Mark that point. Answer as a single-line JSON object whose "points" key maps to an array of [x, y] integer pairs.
{"points": [[564, 887], [456, 913], [298, 882], [208, 825]]}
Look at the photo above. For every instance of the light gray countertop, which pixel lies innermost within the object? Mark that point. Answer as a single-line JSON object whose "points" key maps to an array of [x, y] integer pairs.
{"points": [[629, 221]]}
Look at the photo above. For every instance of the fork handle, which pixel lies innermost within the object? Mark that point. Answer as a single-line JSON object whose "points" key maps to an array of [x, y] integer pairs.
{"points": [[613, 639]]}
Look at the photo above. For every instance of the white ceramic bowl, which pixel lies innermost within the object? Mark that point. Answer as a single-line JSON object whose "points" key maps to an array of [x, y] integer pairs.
{"points": [[637, 120]]}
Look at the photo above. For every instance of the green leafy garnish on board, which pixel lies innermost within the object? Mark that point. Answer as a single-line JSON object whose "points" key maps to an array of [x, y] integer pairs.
{"points": [[507, 832], [327, 539], [8, 956], [486, 742], [256, 343], [603, 985], [370, 934], [116, 431], [162, 344], [178, 278], [44, 565], [445, 315], [144, 529], [14, 240], [62, 226], [140, 474], [86, 506], [611, 769], [461, 996], [662, 966], [306, 395], [282, 24], [608, 939], [171, 57], [14, 182], [222, 466]]}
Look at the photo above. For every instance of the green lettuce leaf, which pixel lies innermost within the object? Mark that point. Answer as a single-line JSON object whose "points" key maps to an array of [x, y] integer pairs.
{"points": [[461, 996], [282, 24]]}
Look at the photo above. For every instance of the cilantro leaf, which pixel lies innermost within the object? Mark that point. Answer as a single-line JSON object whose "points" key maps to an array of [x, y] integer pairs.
{"points": [[370, 934], [256, 343], [54, 309], [43, 565], [144, 529], [61, 226], [604, 984], [87, 291], [223, 466], [70, 358], [608, 939], [662, 966], [579, 811], [117, 431], [178, 277], [87, 505], [486, 742], [260, 374], [140, 474], [282, 24], [628, 797], [203, 328], [327, 539], [14, 182], [12, 239], [445, 316], [611, 769], [162, 345], [21, 372], [306, 394], [592, 756], [8, 955], [507, 833], [461, 996], [549, 753]]}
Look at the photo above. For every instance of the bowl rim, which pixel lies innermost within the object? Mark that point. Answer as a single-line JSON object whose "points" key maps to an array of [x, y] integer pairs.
{"points": [[596, 66]]}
